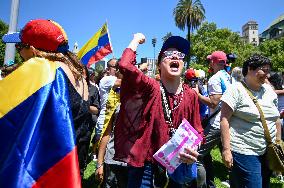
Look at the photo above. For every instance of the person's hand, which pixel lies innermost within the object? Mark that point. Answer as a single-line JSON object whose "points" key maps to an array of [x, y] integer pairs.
{"points": [[282, 114], [139, 37], [100, 173], [143, 67], [227, 158], [189, 156], [196, 89]]}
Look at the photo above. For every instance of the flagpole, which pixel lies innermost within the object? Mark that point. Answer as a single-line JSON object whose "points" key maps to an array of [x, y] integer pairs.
{"points": [[110, 40], [10, 47]]}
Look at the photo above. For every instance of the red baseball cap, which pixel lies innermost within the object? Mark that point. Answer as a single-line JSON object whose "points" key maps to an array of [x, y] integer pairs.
{"points": [[217, 57], [45, 35]]}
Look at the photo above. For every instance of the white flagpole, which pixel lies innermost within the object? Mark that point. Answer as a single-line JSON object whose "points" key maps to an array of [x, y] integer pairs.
{"points": [[10, 47], [110, 40]]}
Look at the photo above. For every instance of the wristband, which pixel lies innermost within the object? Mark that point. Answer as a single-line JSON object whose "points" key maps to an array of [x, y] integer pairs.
{"points": [[99, 166]]}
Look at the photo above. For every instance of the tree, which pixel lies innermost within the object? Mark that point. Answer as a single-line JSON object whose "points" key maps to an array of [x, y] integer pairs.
{"points": [[273, 49], [168, 35], [189, 14], [209, 38], [3, 31]]}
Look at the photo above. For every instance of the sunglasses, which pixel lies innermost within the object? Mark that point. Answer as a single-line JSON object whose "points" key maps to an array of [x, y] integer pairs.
{"points": [[20, 46], [113, 66], [169, 54], [265, 69]]}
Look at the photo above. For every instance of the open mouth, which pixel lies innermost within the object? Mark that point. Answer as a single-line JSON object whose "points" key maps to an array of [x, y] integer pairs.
{"points": [[174, 65]]}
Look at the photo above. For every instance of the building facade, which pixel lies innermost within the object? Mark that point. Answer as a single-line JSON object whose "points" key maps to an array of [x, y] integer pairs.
{"points": [[151, 66], [250, 33], [275, 30]]}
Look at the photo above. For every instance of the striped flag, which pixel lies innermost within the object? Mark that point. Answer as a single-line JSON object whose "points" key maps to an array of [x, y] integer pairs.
{"points": [[37, 137], [96, 48]]}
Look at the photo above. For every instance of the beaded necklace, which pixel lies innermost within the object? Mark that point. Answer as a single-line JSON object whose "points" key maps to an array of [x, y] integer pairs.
{"points": [[175, 103], [167, 110]]}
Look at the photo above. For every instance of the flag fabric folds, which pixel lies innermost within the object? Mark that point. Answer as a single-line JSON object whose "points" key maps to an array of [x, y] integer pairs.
{"points": [[96, 48], [37, 138], [113, 101]]}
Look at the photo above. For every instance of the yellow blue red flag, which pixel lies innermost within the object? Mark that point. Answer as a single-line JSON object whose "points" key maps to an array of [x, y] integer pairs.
{"points": [[112, 102], [96, 48], [37, 137]]}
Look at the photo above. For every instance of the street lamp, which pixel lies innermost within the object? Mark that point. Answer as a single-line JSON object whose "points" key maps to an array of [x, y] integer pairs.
{"points": [[154, 41]]}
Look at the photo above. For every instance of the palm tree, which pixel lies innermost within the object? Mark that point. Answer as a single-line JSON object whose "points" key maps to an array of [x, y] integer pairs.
{"points": [[190, 14], [168, 35]]}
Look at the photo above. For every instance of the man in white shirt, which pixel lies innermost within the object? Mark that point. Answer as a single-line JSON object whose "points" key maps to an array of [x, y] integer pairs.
{"points": [[106, 83], [217, 85]]}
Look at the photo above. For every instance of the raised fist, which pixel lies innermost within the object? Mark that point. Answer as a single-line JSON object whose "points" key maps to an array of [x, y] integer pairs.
{"points": [[139, 37]]}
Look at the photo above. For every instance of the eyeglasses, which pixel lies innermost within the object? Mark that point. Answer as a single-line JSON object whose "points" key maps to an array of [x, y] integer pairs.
{"points": [[114, 66], [169, 54], [265, 69], [20, 46]]}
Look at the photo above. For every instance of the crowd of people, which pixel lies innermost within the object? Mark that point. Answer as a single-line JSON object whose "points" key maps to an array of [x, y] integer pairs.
{"points": [[132, 115]]}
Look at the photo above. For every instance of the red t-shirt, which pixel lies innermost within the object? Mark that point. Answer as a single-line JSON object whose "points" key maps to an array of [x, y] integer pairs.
{"points": [[141, 128]]}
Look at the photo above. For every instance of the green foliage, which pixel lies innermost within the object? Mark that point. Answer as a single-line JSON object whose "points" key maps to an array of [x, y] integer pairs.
{"points": [[189, 13], [274, 50], [199, 66], [3, 28], [3, 31], [209, 38], [220, 172], [168, 35]]}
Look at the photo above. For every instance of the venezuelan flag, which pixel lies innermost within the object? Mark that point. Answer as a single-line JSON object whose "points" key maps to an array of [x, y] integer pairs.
{"points": [[96, 48], [37, 139], [112, 102]]}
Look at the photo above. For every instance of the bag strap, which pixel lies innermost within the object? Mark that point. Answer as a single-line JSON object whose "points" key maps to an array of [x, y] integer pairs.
{"points": [[214, 114], [262, 118]]}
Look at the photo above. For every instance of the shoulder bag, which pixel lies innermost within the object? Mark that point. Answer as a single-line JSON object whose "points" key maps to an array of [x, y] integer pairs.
{"points": [[274, 151]]}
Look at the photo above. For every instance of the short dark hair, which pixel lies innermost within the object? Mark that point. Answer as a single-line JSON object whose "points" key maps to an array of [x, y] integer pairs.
{"points": [[255, 61], [108, 63]]}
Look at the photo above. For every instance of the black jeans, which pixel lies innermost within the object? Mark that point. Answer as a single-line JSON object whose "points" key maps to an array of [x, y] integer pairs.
{"points": [[212, 139], [115, 176]]}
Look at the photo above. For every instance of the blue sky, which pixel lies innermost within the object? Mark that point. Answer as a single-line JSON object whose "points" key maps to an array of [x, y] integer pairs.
{"points": [[81, 19]]}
